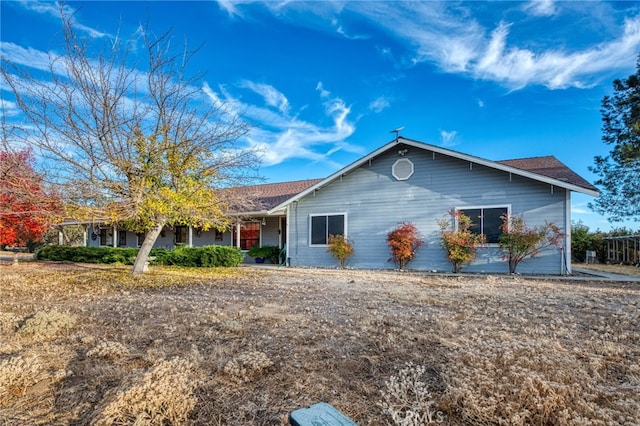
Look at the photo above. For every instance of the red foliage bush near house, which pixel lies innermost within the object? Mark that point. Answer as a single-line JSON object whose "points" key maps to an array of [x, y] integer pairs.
{"points": [[404, 240], [459, 242]]}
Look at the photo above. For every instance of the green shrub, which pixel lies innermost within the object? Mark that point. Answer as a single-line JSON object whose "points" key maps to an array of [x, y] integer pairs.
{"points": [[270, 253], [207, 256], [87, 254]]}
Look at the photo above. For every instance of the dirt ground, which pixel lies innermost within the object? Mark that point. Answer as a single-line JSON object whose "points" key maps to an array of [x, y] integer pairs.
{"points": [[633, 271], [86, 345]]}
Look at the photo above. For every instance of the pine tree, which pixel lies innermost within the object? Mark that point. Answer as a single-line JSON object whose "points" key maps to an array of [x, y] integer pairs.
{"points": [[619, 172]]}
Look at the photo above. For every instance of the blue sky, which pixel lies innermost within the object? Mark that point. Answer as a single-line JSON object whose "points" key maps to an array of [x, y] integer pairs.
{"points": [[325, 82]]}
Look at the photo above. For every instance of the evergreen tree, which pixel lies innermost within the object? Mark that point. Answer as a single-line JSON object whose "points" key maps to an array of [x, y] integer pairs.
{"points": [[619, 172]]}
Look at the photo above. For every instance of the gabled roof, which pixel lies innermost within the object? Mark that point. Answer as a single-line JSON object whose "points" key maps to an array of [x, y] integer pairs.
{"points": [[543, 169]]}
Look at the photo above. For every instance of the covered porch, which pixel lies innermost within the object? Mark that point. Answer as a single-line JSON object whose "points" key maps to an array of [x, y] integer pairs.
{"points": [[257, 228]]}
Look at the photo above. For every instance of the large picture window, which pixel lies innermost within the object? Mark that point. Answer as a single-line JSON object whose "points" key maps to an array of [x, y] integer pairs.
{"points": [[486, 221], [324, 225]]}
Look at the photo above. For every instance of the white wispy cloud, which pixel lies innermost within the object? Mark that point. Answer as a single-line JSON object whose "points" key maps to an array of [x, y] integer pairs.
{"points": [[51, 62], [450, 36], [517, 67], [54, 9], [29, 57], [271, 96], [281, 135], [230, 7], [457, 43], [8, 108], [447, 138], [541, 7], [379, 104]]}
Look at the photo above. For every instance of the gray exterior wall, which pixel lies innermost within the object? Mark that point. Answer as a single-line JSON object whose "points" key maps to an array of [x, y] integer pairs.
{"points": [[375, 203], [270, 235]]}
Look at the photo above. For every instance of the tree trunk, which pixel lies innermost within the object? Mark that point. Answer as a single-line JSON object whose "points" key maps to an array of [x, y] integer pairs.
{"points": [[145, 249], [512, 266]]}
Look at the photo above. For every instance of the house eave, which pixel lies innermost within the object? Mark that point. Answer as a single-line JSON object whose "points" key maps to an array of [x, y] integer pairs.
{"points": [[442, 151]]}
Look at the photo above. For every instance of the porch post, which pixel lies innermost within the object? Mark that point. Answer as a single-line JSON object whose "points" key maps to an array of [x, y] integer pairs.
{"points": [[115, 235], [190, 236], [60, 236], [287, 260], [238, 234], [567, 242]]}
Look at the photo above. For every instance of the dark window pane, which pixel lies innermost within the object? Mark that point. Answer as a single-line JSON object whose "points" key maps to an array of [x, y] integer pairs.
{"points": [[336, 225], [492, 221], [103, 237], [318, 230], [181, 234], [476, 220]]}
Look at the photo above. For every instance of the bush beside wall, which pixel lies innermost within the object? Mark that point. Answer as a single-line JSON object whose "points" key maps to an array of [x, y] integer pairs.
{"points": [[207, 256]]}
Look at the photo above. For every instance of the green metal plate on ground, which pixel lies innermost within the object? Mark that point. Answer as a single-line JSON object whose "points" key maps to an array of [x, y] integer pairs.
{"points": [[320, 414]]}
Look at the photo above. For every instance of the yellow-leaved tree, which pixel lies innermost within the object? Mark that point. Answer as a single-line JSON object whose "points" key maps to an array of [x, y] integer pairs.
{"points": [[140, 143]]}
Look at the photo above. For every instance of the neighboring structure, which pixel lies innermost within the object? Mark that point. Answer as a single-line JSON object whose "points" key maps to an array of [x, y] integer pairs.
{"points": [[403, 181], [623, 249]]}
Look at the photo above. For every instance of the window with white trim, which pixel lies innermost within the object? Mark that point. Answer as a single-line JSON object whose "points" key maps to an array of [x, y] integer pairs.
{"points": [[402, 169], [321, 226], [486, 221]]}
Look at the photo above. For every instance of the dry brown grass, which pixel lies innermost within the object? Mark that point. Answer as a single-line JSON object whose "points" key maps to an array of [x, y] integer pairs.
{"points": [[85, 345]]}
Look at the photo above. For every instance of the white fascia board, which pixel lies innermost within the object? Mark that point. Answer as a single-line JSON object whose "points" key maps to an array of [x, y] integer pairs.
{"points": [[83, 222], [503, 167], [256, 213], [334, 176], [438, 150]]}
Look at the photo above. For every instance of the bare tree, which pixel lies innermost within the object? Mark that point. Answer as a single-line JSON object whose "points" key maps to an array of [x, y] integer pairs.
{"points": [[138, 145]]}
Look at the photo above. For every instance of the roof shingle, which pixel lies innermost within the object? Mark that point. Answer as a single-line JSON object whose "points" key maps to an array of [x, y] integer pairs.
{"points": [[269, 195], [549, 166]]}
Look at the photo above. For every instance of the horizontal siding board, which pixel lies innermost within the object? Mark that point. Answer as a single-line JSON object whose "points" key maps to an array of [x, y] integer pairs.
{"points": [[270, 235], [375, 203]]}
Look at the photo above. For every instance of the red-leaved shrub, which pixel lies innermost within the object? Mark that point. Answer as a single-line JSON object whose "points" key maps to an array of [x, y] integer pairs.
{"points": [[404, 240]]}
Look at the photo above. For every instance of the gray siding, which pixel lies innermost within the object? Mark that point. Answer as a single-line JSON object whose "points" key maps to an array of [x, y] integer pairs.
{"points": [[269, 235], [375, 203]]}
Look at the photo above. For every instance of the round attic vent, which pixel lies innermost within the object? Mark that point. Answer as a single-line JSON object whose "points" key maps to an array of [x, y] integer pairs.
{"points": [[402, 169]]}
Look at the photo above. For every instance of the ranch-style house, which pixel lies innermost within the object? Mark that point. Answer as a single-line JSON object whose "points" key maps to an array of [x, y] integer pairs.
{"points": [[402, 181]]}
